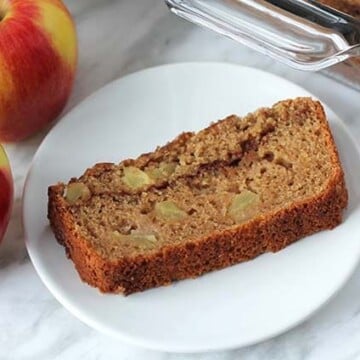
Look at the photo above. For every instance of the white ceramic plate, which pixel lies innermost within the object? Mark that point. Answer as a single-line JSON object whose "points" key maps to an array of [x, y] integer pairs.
{"points": [[234, 307]]}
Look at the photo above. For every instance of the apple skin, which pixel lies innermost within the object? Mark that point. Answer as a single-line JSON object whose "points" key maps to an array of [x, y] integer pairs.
{"points": [[38, 57], [6, 192]]}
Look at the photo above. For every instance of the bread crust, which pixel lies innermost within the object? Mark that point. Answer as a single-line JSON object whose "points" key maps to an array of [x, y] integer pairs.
{"points": [[269, 232], [350, 7]]}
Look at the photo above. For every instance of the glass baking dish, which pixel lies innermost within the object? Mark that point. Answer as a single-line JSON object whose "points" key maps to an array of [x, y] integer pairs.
{"points": [[305, 34]]}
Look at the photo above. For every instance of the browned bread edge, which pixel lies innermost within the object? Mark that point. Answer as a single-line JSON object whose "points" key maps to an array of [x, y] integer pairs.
{"points": [[349, 7]]}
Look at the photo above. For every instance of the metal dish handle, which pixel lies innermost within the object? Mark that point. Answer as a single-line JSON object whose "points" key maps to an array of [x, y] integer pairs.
{"points": [[303, 34]]}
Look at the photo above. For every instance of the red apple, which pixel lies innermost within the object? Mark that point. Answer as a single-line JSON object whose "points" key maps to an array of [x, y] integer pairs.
{"points": [[6, 192], [38, 55]]}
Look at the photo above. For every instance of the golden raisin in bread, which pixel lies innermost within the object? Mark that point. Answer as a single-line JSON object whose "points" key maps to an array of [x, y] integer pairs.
{"points": [[207, 200]]}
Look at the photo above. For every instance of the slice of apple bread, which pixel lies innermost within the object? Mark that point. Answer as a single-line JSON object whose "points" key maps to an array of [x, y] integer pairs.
{"points": [[207, 200]]}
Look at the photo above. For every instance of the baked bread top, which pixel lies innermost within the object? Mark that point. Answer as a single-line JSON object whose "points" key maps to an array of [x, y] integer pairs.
{"points": [[350, 7]]}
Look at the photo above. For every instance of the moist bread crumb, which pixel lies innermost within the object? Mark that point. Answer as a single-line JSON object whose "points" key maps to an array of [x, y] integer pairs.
{"points": [[205, 201]]}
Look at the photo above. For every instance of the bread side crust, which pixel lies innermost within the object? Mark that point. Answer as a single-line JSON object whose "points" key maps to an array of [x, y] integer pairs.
{"points": [[268, 232]]}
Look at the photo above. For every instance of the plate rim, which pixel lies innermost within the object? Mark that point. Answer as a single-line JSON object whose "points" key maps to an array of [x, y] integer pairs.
{"points": [[139, 341]]}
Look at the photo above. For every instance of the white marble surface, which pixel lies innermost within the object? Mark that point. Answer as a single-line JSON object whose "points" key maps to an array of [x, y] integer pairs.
{"points": [[118, 37]]}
